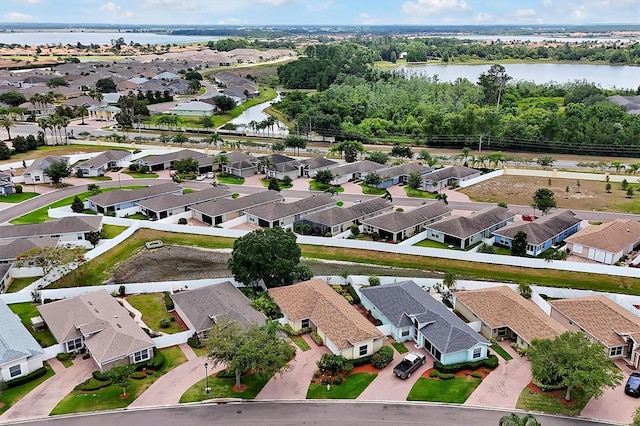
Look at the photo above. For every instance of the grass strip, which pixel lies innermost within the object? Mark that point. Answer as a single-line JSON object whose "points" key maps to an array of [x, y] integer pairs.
{"points": [[223, 388], [504, 354], [301, 343], [455, 390]]}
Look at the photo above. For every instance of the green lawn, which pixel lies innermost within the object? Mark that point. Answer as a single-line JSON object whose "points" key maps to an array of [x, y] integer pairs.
{"points": [[137, 175], [455, 390], [40, 215], [223, 388], [8, 397], [18, 198], [109, 398], [99, 178], [152, 308], [229, 179], [370, 190], [137, 216], [418, 194], [265, 183], [112, 231], [502, 250], [552, 402], [504, 354], [435, 244], [26, 311], [18, 284], [201, 351], [349, 389], [400, 347], [301, 343], [317, 186]]}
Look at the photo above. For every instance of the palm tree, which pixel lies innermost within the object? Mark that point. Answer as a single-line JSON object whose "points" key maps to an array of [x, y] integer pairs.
{"points": [[7, 123], [449, 280], [82, 111], [214, 138], [515, 420]]}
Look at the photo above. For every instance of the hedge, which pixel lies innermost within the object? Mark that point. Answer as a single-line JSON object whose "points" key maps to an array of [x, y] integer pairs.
{"points": [[352, 292], [154, 363], [490, 362], [36, 374], [92, 384], [138, 375], [361, 361], [100, 376], [382, 357], [168, 301], [63, 356]]}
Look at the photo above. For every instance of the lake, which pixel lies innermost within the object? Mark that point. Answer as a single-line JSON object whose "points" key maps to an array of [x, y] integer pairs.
{"points": [[535, 39], [255, 114], [94, 37], [607, 76]]}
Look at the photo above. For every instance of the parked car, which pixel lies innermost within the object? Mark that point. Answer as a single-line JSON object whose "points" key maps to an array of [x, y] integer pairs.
{"points": [[632, 388], [410, 363], [210, 175], [201, 177], [529, 217]]}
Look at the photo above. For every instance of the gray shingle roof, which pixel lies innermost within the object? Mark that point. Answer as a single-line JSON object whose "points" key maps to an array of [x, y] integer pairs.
{"points": [[279, 210], [277, 159], [172, 201], [466, 226], [151, 160], [399, 221], [226, 205], [53, 227], [403, 170], [318, 162], [543, 228], [363, 166], [120, 196], [15, 340], [205, 306], [337, 215], [15, 247], [42, 163], [454, 172], [105, 158], [444, 329]]}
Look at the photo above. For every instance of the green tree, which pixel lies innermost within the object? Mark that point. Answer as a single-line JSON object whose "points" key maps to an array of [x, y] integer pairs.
{"points": [[607, 187], [7, 123], [449, 280], [57, 171], [374, 280], [251, 349], [426, 156], [12, 98], [295, 142], [378, 157], [106, 85], [94, 188], [270, 255], [573, 361], [544, 200], [323, 176], [630, 192], [401, 150], [519, 244], [180, 139], [493, 84], [545, 162], [5, 152], [351, 150], [224, 103], [372, 179], [515, 420], [93, 237], [186, 165], [119, 376], [624, 184], [414, 181], [525, 290], [57, 81], [273, 185], [636, 418], [77, 206], [49, 258]]}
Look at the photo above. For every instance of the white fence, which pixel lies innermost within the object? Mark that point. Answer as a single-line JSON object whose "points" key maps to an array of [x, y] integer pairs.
{"points": [[172, 339], [52, 351], [234, 222], [542, 304], [414, 239], [568, 175], [475, 326], [176, 217], [481, 178], [25, 271], [385, 329]]}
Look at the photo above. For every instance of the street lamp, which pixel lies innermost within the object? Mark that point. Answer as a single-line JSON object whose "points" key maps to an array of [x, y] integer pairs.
{"points": [[206, 377]]}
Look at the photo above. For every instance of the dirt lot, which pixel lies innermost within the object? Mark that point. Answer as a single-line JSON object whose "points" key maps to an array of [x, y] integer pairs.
{"points": [[172, 263], [591, 195]]}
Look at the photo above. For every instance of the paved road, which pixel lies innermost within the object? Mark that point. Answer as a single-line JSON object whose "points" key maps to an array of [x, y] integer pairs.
{"points": [[308, 413]]}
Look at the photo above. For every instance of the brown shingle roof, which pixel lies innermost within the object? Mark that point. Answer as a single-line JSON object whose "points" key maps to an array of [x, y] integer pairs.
{"points": [[279, 210], [466, 226], [337, 215], [399, 221], [65, 225], [120, 196], [601, 317], [612, 236], [329, 311], [224, 205], [502, 307]]}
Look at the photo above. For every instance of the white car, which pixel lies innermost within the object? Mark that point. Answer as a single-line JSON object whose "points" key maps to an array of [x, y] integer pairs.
{"points": [[200, 177], [210, 175]]}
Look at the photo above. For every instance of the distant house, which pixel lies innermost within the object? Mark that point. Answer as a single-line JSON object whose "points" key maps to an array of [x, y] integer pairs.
{"points": [[165, 161], [67, 230], [233, 82], [542, 233], [166, 76], [400, 174], [11, 249], [202, 308], [335, 220], [413, 314], [6, 186], [20, 353], [285, 214], [278, 166], [442, 178], [397, 226], [171, 204], [102, 162], [240, 164], [34, 174], [353, 171], [224, 209], [606, 243], [504, 314], [103, 112], [122, 199], [314, 304], [602, 320], [310, 166], [193, 108], [96, 322], [465, 231]]}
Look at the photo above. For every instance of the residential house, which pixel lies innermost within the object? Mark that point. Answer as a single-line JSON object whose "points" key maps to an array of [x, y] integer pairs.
{"points": [[314, 304], [504, 314], [126, 199], [68, 230], [5, 277], [165, 161], [335, 220], [202, 308], [465, 231], [20, 353], [12, 248], [542, 233], [445, 177], [96, 322], [413, 314], [240, 164], [310, 166], [193, 108], [167, 205], [605, 243], [603, 320], [278, 166], [103, 112], [397, 226], [236, 83], [223, 209], [166, 76], [354, 171], [400, 173], [34, 174], [6, 186], [104, 161], [286, 214]]}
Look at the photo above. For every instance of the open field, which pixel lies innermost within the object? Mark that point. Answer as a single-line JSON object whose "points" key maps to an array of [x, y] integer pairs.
{"points": [[591, 195]]}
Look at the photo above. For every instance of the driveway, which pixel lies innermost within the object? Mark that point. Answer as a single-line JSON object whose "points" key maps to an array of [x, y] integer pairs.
{"points": [[388, 387], [614, 404], [43, 399], [294, 383], [503, 386]]}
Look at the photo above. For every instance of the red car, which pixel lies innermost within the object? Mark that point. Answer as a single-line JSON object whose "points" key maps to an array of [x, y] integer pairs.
{"points": [[529, 217]]}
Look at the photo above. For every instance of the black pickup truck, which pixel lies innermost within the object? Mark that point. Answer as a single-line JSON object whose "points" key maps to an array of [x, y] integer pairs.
{"points": [[409, 364]]}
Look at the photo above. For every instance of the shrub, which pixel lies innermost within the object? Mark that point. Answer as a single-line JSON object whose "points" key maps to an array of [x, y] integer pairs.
{"points": [[328, 235], [490, 362], [137, 375], [122, 290], [168, 301], [194, 341], [18, 189], [446, 376], [375, 236], [172, 318], [434, 373], [476, 374], [382, 357], [64, 356], [332, 363], [355, 229], [361, 361], [547, 387], [36, 374], [92, 384], [353, 294], [337, 380], [348, 368], [102, 377], [288, 330], [158, 360], [374, 280], [316, 338], [182, 221], [165, 323]]}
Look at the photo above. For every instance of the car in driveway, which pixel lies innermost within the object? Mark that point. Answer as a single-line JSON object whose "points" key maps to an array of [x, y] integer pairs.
{"points": [[410, 363], [201, 177], [210, 175], [632, 388]]}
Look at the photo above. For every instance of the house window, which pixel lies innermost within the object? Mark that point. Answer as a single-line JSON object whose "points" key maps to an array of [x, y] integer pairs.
{"points": [[363, 350], [141, 355], [305, 323], [406, 332], [616, 351], [36, 178], [477, 353], [502, 332], [15, 370], [80, 236], [74, 344]]}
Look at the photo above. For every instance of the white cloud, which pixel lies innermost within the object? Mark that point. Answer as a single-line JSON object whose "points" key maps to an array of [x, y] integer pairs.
{"points": [[547, 3], [17, 17], [116, 10], [483, 17], [433, 7], [271, 2], [366, 19], [229, 21], [319, 6], [524, 13]]}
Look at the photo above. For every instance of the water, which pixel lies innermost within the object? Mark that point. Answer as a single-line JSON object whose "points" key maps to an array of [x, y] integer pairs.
{"points": [[54, 37], [255, 113], [536, 39], [606, 76]]}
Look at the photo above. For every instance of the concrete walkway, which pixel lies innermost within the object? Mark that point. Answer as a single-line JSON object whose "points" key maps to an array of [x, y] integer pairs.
{"points": [[614, 404], [137, 315], [40, 401], [503, 386], [294, 383]]}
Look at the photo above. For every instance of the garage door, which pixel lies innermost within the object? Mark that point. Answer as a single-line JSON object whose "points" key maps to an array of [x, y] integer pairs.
{"points": [[597, 255]]}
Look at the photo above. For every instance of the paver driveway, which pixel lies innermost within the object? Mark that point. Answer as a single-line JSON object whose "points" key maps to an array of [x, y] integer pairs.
{"points": [[614, 404]]}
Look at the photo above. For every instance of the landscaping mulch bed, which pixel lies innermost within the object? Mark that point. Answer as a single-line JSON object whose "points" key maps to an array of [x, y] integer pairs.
{"points": [[179, 320], [461, 373], [366, 314], [556, 394], [367, 368]]}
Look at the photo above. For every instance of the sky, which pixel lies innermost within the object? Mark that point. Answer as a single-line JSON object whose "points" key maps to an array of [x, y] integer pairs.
{"points": [[323, 12]]}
